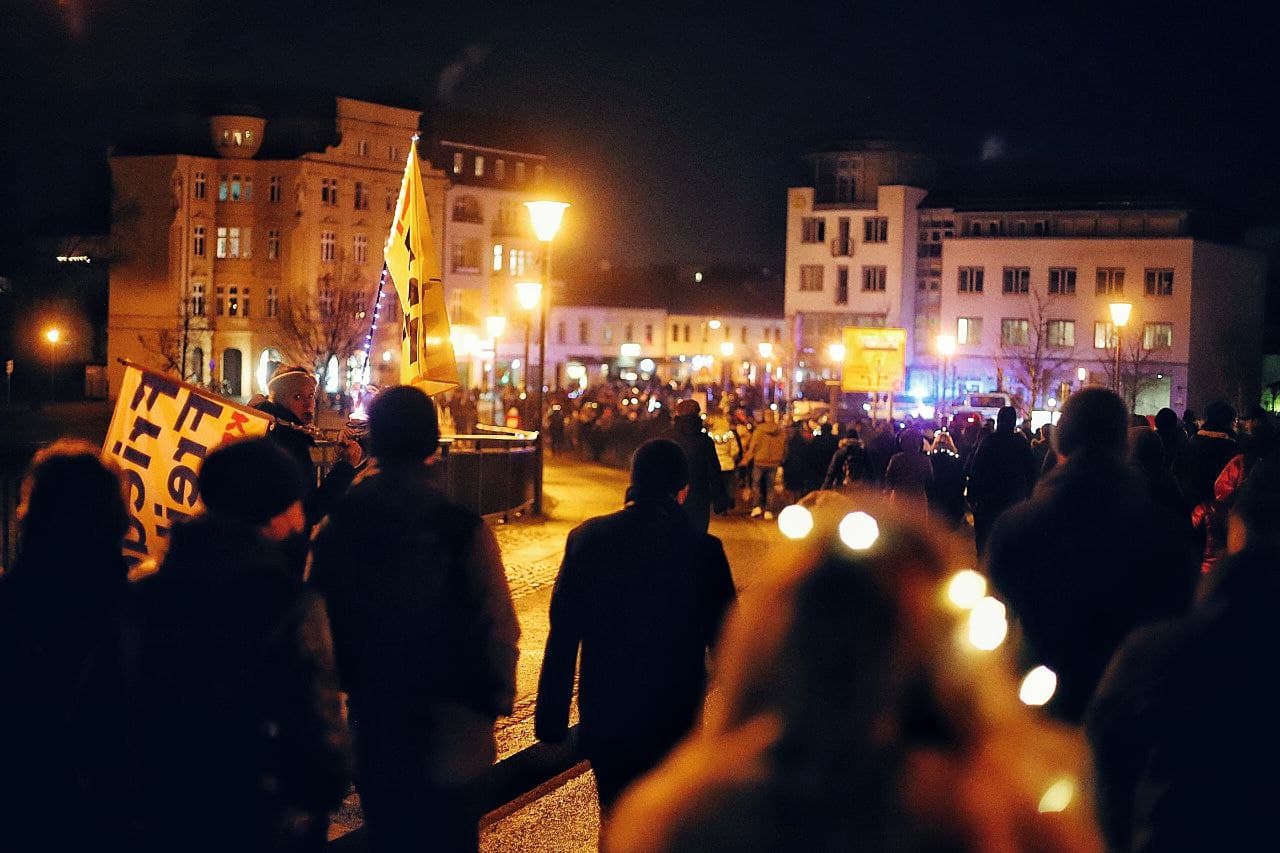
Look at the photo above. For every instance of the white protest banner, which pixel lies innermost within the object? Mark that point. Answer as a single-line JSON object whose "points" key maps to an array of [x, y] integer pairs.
{"points": [[160, 433]]}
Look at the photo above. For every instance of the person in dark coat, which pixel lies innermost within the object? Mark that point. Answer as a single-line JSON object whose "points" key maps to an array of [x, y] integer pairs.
{"points": [[1183, 724], [1172, 436], [880, 450], [1206, 454], [1147, 460], [1042, 446], [642, 592], [910, 474], [822, 449], [946, 496], [224, 693], [1001, 473], [1085, 560], [56, 604], [797, 476], [425, 635], [849, 466], [706, 486], [291, 404]]}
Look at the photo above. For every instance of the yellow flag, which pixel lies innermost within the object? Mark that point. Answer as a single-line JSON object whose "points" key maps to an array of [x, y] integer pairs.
{"points": [[160, 433], [426, 351]]}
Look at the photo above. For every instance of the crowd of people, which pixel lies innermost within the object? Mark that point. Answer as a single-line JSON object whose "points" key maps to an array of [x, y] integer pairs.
{"points": [[299, 636]]}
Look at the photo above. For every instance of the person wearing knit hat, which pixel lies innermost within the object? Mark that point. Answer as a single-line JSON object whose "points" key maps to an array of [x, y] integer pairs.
{"points": [[255, 481], [293, 387]]}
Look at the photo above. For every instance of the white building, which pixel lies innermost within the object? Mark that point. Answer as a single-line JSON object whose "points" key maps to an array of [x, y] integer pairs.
{"points": [[1025, 288]]}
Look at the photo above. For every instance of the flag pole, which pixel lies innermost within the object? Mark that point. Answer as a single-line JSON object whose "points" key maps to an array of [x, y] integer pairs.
{"points": [[373, 323]]}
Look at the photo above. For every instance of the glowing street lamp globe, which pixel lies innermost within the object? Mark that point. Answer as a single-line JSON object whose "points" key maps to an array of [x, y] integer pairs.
{"points": [[836, 352], [766, 349], [528, 293], [53, 335], [1120, 313], [946, 345], [546, 217], [495, 325]]}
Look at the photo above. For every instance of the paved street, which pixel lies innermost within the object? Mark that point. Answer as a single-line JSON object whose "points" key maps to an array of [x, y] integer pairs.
{"points": [[566, 819]]}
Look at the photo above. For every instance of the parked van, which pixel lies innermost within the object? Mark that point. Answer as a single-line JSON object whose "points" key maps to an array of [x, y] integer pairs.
{"points": [[978, 408]]}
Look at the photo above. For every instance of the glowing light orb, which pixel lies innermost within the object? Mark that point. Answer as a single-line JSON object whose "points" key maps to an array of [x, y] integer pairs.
{"points": [[1038, 686], [1058, 796], [987, 624], [966, 589], [859, 531], [795, 522]]}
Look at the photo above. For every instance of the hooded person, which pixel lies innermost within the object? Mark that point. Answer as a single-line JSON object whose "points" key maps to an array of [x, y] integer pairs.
{"points": [[1206, 453], [644, 619], [706, 487], [910, 474], [1002, 472], [222, 692], [425, 634]]}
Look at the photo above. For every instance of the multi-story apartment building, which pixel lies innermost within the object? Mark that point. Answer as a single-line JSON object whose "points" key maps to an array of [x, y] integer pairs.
{"points": [[1024, 287], [489, 246]]}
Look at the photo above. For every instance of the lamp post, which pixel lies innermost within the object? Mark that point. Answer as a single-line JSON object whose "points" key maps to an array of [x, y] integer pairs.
{"points": [[766, 366], [495, 325], [946, 349], [546, 217], [836, 352], [1119, 318], [52, 335], [528, 294]]}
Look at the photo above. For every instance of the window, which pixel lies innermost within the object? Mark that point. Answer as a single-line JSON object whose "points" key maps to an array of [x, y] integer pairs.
{"points": [[361, 201], [497, 257], [875, 229], [1061, 333], [629, 333], [1104, 335], [197, 241], [275, 189], [273, 244], [360, 249], [686, 333], [197, 300], [842, 285], [479, 170], [199, 185], [520, 173], [583, 332], [466, 208], [562, 332], [393, 153], [538, 172], [389, 201], [500, 170], [273, 301], [606, 333], [229, 243], [1013, 333], [328, 246], [970, 279], [233, 301], [195, 370], [675, 332], [329, 192], [326, 301], [744, 334], [1159, 282], [1110, 280], [1157, 336], [219, 308], [968, 331], [873, 278], [813, 229], [1062, 280], [362, 148], [517, 260], [222, 188], [236, 188], [811, 277], [465, 256], [247, 195], [457, 162], [648, 329], [1017, 279]]}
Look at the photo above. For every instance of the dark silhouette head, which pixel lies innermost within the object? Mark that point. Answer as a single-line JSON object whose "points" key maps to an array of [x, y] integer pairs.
{"points": [[1146, 451], [403, 425], [1167, 421], [72, 501], [1219, 416], [659, 467], [1006, 419], [253, 480], [1092, 419]]}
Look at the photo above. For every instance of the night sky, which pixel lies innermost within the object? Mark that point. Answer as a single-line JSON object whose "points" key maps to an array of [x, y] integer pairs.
{"points": [[674, 129]]}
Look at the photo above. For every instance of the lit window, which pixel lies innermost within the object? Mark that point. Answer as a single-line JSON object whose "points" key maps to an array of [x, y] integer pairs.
{"points": [[1159, 282], [360, 249], [1062, 280], [328, 246], [197, 300], [465, 256], [479, 166], [197, 241], [1061, 333], [1157, 336], [1104, 335], [811, 277], [497, 257], [273, 244], [457, 162], [233, 301], [1110, 281], [874, 278], [1013, 333], [235, 187], [968, 331], [222, 188], [970, 280]]}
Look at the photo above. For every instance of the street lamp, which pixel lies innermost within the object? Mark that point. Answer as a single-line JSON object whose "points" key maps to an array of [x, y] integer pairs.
{"points": [[546, 217], [52, 335], [495, 325], [836, 352], [1119, 317], [726, 353], [946, 349], [528, 294]]}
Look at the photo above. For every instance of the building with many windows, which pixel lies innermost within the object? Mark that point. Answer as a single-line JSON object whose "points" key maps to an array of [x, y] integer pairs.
{"points": [[1023, 285], [219, 241]]}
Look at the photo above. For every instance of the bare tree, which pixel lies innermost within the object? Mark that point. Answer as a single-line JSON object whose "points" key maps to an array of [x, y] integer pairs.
{"points": [[172, 345], [329, 323], [1035, 361], [1136, 364]]}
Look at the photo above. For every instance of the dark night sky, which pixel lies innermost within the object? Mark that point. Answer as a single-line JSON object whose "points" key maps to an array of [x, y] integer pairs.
{"points": [[675, 128]]}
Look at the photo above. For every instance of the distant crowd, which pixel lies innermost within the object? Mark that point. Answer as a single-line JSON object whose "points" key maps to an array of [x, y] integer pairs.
{"points": [[302, 634]]}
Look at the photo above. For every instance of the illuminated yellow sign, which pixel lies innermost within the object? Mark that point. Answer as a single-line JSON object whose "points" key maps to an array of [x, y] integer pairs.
{"points": [[874, 359]]}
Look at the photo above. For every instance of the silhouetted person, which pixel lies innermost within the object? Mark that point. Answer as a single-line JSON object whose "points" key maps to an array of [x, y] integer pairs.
{"points": [[1085, 560], [644, 618], [1183, 724], [798, 478], [706, 487], [1173, 438], [1147, 459], [910, 474], [850, 465], [425, 634], [766, 449], [946, 495], [56, 603], [1206, 453], [822, 449], [224, 694], [1001, 473]]}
